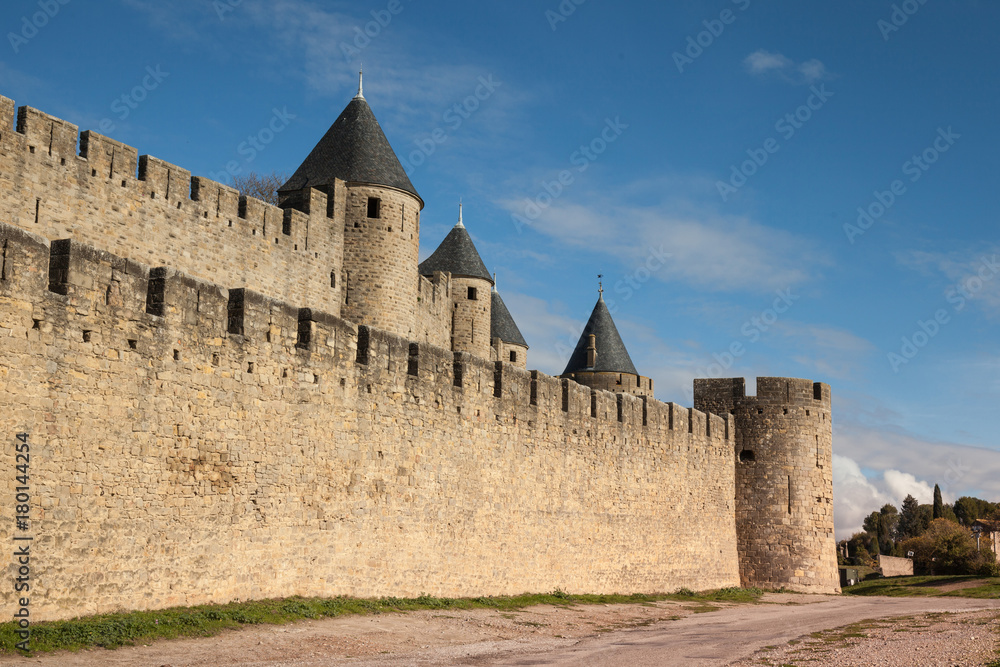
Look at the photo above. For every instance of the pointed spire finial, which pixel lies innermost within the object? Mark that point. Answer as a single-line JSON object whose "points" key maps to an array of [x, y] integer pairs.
{"points": [[494, 281], [600, 286], [361, 81], [460, 224]]}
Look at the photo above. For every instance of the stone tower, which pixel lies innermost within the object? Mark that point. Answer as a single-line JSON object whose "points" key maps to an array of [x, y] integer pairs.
{"points": [[784, 480], [470, 284], [600, 360], [508, 343], [369, 191]]}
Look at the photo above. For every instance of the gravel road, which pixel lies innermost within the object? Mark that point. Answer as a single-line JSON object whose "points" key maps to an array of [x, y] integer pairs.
{"points": [[932, 631]]}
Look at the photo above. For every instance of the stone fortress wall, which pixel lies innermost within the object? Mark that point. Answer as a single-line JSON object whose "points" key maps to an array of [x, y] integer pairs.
{"points": [[229, 446], [205, 427]]}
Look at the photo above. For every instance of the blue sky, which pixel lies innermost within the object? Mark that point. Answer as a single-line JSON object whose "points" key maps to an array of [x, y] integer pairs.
{"points": [[710, 160]]}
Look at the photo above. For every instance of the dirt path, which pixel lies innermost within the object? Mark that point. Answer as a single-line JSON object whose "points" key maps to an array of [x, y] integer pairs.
{"points": [[666, 633], [960, 585]]}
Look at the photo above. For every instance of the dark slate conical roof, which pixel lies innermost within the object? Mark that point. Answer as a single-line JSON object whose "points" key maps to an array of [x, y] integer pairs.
{"points": [[456, 255], [502, 325], [353, 149], [612, 357]]}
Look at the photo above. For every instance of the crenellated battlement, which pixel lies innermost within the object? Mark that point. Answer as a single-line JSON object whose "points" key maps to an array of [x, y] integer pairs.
{"points": [[86, 282], [724, 395], [106, 195], [231, 445]]}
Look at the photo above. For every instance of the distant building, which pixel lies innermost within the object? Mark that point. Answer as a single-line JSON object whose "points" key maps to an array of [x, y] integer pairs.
{"points": [[989, 535]]}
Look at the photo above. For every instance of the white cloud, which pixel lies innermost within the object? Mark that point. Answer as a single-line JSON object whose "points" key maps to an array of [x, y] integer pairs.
{"points": [[709, 250], [830, 351], [11, 78], [971, 275], [180, 20], [551, 336], [854, 497], [902, 484], [763, 63], [318, 46], [900, 464]]}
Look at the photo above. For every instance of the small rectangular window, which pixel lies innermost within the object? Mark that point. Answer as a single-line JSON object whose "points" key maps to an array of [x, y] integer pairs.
{"points": [[473, 294], [513, 356], [374, 207]]}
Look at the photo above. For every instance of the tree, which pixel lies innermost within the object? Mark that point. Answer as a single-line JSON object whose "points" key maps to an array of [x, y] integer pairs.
{"points": [[876, 526], [857, 549], [889, 530], [948, 548], [872, 523], [971, 509], [938, 503], [260, 186], [926, 516], [911, 520]]}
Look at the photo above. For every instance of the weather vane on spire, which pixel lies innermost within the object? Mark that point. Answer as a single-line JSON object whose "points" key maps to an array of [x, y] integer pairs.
{"points": [[361, 81], [460, 224], [600, 285]]}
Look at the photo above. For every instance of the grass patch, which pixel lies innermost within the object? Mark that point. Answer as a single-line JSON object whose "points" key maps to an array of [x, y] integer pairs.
{"points": [[129, 628], [990, 590], [925, 586]]}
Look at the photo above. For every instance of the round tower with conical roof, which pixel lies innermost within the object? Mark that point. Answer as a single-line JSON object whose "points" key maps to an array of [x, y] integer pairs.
{"points": [[508, 344], [368, 190], [470, 289], [600, 360]]}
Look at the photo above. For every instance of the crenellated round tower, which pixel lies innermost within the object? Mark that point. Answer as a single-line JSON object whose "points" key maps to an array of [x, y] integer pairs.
{"points": [[784, 480], [369, 191]]}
